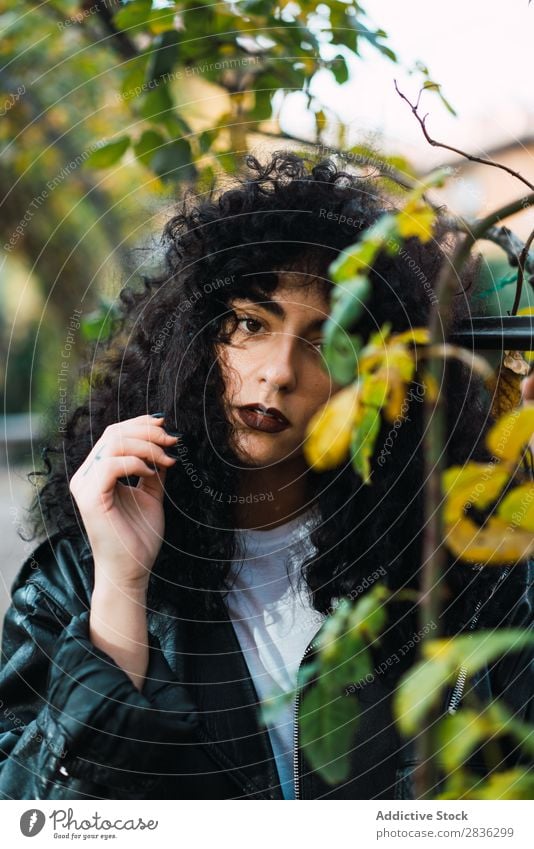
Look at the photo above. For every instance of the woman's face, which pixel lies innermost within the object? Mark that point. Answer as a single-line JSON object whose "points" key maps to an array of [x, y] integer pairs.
{"points": [[272, 370]]}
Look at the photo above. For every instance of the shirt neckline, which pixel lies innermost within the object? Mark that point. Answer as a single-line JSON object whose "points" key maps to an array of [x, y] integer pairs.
{"points": [[261, 540]]}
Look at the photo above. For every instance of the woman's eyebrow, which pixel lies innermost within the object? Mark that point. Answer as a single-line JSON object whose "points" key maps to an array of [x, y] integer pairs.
{"points": [[277, 309]]}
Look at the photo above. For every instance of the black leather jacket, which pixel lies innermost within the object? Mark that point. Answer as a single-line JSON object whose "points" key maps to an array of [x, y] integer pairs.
{"points": [[73, 726]]}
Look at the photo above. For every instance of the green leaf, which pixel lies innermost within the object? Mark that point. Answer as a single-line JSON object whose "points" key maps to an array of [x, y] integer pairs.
{"points": [[133, 17], [164, 55], [358, 258], [344, 652], [327, 726], [340, 69], [206, 139], [147, 146], [206, 179], [262, 109], [100, 324], [174, 161], [341, 352], [363, 442], [368, 617], [162, 20], [256, 7], [459, 733], [175, 124], [228, 161], [156, 105], [340, 355], [348, 299], [108, 154], [375, 37], [511, 784], [134, 76], [420, 689]]}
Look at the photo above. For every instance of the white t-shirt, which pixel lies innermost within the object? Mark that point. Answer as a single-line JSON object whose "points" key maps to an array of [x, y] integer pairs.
{"points": [[274, 622]]}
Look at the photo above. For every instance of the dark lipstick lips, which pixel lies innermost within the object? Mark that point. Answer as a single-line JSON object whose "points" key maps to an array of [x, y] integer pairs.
{"points": [[267, 419]]}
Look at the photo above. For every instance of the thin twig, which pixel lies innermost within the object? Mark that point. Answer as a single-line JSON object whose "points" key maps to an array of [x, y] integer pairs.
{"points": [[120, 40], [521, 272], [511, 245], [471, 157], [476, 363]]}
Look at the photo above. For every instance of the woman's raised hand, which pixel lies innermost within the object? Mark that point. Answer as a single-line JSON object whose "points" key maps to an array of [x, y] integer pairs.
{"points": [[125, 524]]}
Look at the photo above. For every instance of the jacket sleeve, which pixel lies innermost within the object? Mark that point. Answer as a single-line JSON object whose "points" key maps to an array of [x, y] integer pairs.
{"points": [[72, 723]]}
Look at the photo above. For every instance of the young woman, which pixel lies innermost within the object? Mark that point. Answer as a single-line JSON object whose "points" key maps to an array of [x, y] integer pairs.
{"points": [[190, 555]]}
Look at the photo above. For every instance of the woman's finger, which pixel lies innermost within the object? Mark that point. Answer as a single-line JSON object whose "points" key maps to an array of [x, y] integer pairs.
{"points": [[154, 485], [126, 445], [145, 429], [150, 452], [100, 478]]}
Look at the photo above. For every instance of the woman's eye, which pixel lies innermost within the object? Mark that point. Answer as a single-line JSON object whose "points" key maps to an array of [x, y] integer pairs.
{"points": [[251, 324]]}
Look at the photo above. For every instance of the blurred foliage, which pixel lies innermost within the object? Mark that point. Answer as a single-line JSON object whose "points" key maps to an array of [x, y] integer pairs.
{"points": [[109, 108], [486, 517]]}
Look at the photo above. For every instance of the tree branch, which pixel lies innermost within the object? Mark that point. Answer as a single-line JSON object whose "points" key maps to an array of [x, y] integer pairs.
{"points": [[120, 41], [521, 272], [471, 157]]}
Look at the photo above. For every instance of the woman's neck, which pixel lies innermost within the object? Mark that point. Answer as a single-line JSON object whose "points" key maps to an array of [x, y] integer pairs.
{"points": [[270, 497]]}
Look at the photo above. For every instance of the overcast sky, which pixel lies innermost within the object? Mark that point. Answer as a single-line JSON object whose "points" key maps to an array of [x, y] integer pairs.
{"points": [[481, 53]]}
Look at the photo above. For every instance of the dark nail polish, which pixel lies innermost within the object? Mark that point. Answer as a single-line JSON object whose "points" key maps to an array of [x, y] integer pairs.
{"points": [[172, 452], [157, 415]]}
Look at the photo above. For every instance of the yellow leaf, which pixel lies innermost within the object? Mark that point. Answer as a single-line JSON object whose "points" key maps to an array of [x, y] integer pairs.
{"points": [[529, 355], [512, 784], [438, 648], [475, 484], [495, 544], [517, 507], [363, 442], [374, 389], [391, 357], [509, 436], [393, 409], [431, 387], [419, 335], [506, 391], [402, 360], [329, 432], [380, 337], [416, 219]]}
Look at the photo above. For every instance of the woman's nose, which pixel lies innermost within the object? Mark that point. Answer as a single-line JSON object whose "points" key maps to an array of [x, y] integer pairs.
{"points": [[279, 368]]}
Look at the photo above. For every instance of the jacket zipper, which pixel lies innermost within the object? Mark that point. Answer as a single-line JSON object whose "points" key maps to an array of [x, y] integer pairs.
{"points": [[296, 776], [462, 674]]}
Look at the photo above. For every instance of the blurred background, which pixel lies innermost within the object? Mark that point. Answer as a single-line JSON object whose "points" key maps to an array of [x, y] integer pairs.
{"points": [[110, 110]]}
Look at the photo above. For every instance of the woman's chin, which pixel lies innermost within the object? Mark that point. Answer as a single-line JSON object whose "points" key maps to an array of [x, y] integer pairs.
{"points": [[265, 449]]}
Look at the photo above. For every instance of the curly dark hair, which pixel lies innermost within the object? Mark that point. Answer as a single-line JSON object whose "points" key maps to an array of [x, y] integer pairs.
{"points": [[290, 211]]}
